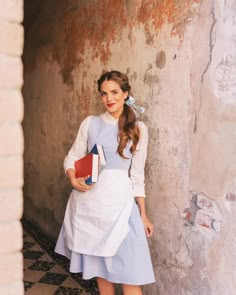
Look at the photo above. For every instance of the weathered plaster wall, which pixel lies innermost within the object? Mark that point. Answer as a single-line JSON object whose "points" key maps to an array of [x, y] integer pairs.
{"points": [[212, 142], [180, 57]]}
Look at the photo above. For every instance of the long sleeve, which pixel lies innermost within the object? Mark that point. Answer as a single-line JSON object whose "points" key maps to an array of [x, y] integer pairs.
{"points": [[79, 147], [138, 162]]}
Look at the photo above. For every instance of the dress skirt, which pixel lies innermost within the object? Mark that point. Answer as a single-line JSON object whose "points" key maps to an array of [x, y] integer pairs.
{"points": [[130, 265]]}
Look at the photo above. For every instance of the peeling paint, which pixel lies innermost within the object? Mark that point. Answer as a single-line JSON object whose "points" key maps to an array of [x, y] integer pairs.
{"points": [[230, 201], [177, 13], [224, 79], [96, 25], [150, 78], [231, 197], [161, 60], [203, 214]]}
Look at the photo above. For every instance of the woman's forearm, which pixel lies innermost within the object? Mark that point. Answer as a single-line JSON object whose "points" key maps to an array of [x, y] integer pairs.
{"points": [[141, 204], [70, 174]]}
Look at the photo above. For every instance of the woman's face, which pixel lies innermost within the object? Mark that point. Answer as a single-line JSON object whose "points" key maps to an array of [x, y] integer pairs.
{"points": [[113, 97]]}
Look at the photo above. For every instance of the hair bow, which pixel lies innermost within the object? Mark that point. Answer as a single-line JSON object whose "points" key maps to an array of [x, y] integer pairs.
{"points": [[131, 103]]}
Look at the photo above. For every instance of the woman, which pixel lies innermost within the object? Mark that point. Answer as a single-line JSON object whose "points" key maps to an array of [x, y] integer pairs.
{"points": [[105, 226]]}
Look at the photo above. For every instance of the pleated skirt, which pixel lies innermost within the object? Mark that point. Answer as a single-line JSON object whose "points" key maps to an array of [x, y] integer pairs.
{"points": [[131, 265]]}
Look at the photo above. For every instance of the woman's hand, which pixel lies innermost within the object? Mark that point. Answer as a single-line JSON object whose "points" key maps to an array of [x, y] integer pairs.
{"points": [[80, 184], [148, 226]]}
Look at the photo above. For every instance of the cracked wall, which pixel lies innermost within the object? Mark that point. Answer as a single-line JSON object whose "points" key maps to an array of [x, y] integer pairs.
{"points": [[213, 136], [180, 58]]}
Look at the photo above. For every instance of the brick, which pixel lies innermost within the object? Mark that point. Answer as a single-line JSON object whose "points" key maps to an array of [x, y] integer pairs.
{"points": [[11, 72], [11, 204], [11, 10], [11, 172], [7, 232], [11, 268], [11, 39], [12, 289], [11, 139], [11, 105]]}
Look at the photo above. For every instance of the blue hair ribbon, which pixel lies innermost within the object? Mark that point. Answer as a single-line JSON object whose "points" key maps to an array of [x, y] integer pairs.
{"points": [[131, 103]]}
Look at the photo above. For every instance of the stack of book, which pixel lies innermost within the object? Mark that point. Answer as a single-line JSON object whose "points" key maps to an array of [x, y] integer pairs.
{"points": [[91, 165]]}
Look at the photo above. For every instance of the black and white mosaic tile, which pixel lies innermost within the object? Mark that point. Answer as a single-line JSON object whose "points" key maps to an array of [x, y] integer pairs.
{"points": [[45, 272], [42, 265]]}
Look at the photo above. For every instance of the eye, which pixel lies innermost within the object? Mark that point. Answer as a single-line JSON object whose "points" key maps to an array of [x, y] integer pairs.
{"points": [[114, 92], [102, 93]]}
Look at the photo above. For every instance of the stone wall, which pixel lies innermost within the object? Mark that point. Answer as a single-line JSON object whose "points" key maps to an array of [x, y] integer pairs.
{"points": [[11, 147], [180, 58]]}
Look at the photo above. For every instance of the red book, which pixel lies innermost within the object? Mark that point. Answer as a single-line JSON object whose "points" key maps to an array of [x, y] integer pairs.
{"points": [[88, 165]]}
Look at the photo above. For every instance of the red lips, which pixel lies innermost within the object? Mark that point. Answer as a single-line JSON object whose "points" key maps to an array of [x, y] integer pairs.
{"points": [[110, 104]]}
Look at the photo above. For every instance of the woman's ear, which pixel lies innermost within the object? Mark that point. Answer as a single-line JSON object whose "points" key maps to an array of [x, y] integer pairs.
{"points": [[126, 95]]}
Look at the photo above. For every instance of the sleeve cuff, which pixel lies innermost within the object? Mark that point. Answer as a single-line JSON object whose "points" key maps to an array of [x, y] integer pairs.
{"points": [[69, 164], [139, 190]]}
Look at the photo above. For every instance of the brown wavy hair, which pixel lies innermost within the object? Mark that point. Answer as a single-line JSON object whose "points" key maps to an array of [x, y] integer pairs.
{"points": [[127, 123]]}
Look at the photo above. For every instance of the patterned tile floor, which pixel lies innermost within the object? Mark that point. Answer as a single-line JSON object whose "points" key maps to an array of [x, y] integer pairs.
{"points": [[45, 272]]}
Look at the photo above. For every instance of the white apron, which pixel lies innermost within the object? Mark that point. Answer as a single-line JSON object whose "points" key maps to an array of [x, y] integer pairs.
{"points": [[96, 222]]}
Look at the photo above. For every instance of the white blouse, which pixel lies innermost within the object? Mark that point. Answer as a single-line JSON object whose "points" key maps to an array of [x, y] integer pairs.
{"points": [[79, 150]]}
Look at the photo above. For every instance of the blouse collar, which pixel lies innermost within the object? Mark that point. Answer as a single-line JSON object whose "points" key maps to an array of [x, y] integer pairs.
{"points": [[107, 117]]}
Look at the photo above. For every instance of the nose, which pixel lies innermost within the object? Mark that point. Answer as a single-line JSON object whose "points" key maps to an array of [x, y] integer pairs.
{"points": [[109, 97]]}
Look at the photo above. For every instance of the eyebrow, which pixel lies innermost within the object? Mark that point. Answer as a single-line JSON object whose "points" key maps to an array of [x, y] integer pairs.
{"points": [[110, 90]]}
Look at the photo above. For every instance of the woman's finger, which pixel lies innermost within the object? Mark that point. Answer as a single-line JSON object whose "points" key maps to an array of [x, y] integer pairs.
{"points": [[149, 230]]}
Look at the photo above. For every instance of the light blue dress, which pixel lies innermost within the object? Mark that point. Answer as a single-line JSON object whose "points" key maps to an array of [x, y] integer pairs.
{"points": [[130, 263]]}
